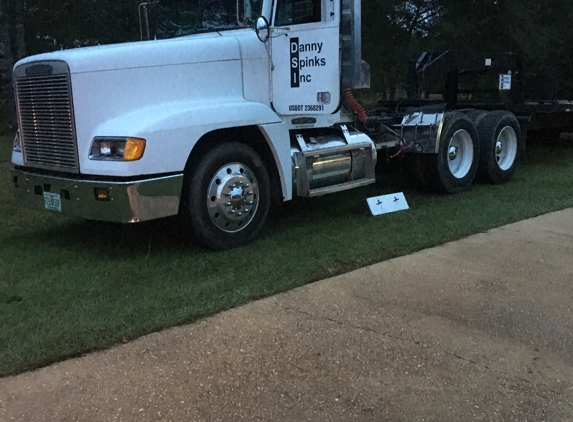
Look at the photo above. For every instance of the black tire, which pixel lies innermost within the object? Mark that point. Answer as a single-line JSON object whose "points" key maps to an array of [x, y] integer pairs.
{"points": [[456, 163], [476, 115], [418, 169], [227, 196], [501, 146]]}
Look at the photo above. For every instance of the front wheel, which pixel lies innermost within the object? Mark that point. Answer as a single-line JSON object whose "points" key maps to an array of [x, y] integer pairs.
{"points": [[227, 196]]}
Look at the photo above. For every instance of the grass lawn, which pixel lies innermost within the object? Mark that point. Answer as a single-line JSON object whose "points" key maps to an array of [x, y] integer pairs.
{"points": [[69, 286]]}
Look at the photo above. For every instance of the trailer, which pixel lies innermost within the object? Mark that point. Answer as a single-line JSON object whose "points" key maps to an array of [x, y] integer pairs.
{"points": [[463, 80], [233, 106]]}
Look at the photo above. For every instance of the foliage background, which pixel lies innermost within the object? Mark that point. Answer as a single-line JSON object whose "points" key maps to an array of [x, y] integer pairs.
{"points": [[394, 31]]}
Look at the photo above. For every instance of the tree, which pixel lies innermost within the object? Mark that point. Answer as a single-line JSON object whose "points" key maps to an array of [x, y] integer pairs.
{"points": [[392, 32], [61, 24], [19, 31], [539, 31], [37, 26], [12, 48]]}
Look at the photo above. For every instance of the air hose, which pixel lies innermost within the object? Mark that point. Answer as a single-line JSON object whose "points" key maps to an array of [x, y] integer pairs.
{"points": [[355, 105]]}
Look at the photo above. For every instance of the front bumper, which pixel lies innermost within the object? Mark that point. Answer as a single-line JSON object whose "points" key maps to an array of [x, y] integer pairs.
{"points": [[126, 202]]}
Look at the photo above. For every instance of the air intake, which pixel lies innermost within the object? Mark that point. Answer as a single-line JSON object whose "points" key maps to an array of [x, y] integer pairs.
{"points": [[46, 116]]}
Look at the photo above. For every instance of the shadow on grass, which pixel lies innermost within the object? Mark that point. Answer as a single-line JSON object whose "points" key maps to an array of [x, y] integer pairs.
{"points": [[290, 222], [93, 236], [169, 234]]}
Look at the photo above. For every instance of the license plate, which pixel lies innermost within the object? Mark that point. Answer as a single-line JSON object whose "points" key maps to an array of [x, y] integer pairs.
{"points": [[52, 201]]}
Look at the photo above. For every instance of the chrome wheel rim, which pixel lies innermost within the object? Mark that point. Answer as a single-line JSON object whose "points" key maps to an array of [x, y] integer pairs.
{"points": [[233, 197], [506, 148], [460, 154]]}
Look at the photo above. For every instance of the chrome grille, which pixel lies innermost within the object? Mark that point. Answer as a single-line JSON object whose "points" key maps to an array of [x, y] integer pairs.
{"points": [[46, 117]]}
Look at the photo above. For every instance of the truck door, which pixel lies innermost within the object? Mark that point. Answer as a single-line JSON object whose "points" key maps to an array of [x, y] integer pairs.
{"points": [[306, 59]]}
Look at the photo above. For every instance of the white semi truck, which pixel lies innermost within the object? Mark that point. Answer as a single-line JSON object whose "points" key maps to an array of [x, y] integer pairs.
{"points": [[235, 105]]}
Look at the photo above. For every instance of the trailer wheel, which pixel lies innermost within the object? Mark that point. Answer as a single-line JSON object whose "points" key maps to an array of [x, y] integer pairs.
{"points": [[501, 146], [227, 196], [458, 154]]}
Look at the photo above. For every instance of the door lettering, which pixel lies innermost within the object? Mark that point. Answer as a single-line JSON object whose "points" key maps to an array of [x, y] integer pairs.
{"points": [[294, 69], [297, 63]]}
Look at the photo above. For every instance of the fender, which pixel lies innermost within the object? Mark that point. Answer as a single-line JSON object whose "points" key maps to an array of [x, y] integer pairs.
{"points": [[172, 130]]}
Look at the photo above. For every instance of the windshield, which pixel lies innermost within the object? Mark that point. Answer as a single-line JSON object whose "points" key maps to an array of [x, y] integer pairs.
{"points": [[184, 17]]}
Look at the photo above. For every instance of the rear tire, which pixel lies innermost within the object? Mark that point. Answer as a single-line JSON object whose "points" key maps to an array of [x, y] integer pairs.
{"points": [[476, 116], [501, 146], [418, 169], [227, 196], [458, 154]]}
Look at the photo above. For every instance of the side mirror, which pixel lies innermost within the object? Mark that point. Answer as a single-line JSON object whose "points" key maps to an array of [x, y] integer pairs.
{"points": [[262, 29]]}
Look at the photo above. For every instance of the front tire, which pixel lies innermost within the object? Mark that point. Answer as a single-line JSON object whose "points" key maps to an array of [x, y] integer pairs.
{"points": [[227, 196], [501, 146]]}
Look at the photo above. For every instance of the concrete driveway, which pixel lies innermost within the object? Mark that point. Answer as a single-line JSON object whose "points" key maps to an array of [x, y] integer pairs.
{"points": [[476, 330]]}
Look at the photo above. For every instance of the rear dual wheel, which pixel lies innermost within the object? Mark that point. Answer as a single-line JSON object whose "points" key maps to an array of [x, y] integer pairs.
{"points": [[491, 151], [501, 146], [455, 166]]}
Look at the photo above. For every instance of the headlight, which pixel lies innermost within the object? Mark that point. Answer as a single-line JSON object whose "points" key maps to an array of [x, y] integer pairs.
{"points": [[117, 149], [17, 145]]}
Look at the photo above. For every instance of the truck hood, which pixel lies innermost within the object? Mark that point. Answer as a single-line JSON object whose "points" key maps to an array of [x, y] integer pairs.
{"points": [[202, 48]]}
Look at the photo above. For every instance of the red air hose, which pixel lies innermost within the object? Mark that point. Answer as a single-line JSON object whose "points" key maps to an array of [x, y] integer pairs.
{"points": [[355, 105]]}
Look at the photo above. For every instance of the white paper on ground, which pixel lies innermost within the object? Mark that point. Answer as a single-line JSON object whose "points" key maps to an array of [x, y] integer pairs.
{"points": [[387, 203]]}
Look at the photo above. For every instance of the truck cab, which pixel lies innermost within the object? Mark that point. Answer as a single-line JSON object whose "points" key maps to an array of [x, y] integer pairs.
{"points": [[125, 132]]}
